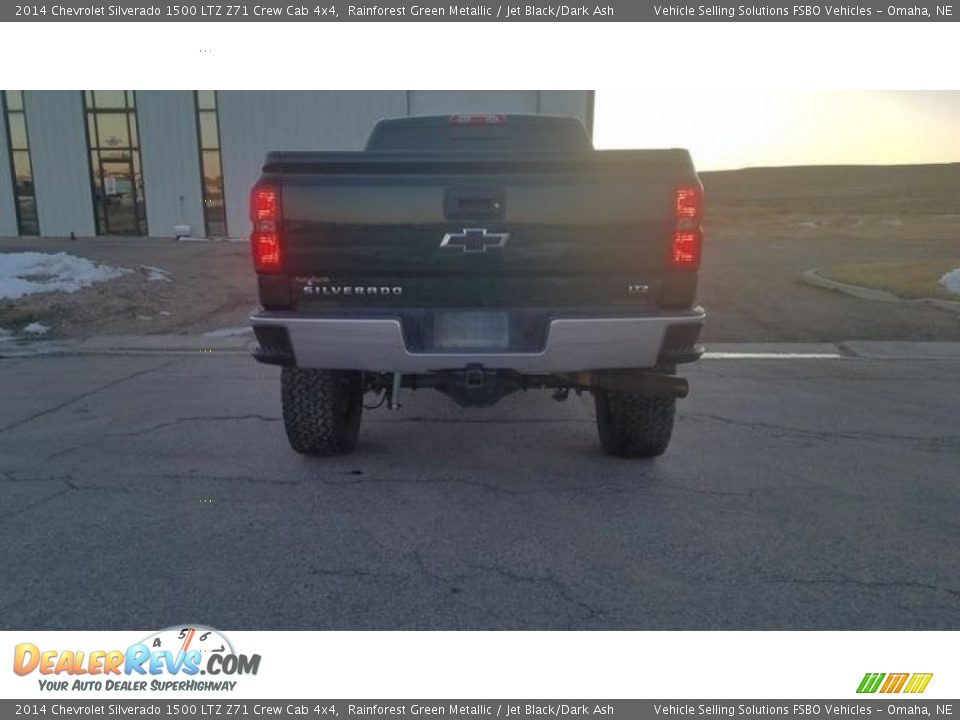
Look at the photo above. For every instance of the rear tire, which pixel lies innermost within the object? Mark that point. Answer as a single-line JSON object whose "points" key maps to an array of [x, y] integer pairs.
{"points": [[631, 425], [321, 410]]}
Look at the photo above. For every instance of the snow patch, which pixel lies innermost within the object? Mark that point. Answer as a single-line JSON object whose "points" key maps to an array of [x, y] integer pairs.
{"points": [[36, 328], [951, 281], [5, 335], [229, 332], [29, 273], [156, 274], [807, 225], [190, 238]]}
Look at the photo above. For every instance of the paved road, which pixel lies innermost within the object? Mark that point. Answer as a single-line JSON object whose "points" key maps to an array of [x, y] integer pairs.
{"points": [[141, 491]]}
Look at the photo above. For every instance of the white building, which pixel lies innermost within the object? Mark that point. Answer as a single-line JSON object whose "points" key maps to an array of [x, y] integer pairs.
{"points": [[141, 162]]}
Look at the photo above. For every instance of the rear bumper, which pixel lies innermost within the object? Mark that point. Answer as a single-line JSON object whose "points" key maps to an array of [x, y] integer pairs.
{"points": [[572, 344]]}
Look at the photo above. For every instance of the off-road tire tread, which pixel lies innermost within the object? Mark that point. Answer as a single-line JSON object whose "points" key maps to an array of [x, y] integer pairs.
{"points": [[321, 410], [631, 425]]}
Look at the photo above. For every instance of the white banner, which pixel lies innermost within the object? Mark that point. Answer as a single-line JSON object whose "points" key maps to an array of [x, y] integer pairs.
{"points": [[614, 665]]}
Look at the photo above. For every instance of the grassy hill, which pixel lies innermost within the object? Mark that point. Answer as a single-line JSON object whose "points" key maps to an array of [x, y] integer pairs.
{"points": [[839, 189]]}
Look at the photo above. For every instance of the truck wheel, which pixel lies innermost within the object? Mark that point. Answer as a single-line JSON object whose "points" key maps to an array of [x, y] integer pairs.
{"points": [[321, 410], [633, 425]]}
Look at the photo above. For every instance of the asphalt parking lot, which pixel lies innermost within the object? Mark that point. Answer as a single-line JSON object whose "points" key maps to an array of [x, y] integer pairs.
{"points": [[146, 490]]}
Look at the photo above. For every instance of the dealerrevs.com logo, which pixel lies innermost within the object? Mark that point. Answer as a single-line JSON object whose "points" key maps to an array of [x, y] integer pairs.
{"points": [[894, 682], [172, 659]]}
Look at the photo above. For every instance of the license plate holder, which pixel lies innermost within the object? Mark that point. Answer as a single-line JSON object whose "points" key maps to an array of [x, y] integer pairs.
{"points": [[471, 330]]}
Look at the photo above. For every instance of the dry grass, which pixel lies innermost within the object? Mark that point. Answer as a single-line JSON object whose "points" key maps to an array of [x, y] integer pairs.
{"points": [[909, 280], [841, 190], [763, 223], [212, 287], [915, 204]]}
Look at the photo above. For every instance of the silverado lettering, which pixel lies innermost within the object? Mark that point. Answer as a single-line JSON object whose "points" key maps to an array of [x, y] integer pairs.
{"points": [[351, 290]]}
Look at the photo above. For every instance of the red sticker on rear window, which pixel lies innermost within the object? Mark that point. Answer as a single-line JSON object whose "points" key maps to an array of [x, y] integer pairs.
{"points": [[478, 119]]}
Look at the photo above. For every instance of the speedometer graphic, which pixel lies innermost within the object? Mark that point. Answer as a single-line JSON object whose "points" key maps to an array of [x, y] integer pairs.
{"points": [[183, 638]]}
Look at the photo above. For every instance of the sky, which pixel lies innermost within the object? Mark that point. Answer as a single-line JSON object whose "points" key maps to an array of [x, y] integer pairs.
{"points": [[726, 130]]}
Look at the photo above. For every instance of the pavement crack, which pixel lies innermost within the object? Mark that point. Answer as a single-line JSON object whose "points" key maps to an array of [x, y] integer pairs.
{"points": [[355, 573], [230, 479], [558, 490], [485, 421], [59, 453], [424, 570], [562, 589], [869, 584], [35, 503], [784, 430], [135, 433], [112, 489], [487, 486], [85, 395], [196, 418], [720, 493]]}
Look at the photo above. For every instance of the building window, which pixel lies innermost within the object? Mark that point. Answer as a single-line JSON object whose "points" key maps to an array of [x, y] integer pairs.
{"points": [[21, 169], [211, 172], [115, 169]]}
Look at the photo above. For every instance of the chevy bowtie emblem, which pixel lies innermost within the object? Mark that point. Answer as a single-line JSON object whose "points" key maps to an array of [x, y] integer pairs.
{"points": [[474, 240]]}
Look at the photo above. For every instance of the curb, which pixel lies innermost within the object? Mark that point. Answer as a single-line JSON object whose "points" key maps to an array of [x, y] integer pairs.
{"points": [[813, 277]]}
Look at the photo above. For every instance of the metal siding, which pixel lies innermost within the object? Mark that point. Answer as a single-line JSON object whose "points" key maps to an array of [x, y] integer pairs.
{"points": [[171, 164], [434, 102], [61, 165], [8, 213], [254, 122]]}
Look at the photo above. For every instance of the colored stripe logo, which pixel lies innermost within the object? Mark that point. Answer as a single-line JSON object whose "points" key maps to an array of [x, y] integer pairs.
{"points": [[894, 682]]}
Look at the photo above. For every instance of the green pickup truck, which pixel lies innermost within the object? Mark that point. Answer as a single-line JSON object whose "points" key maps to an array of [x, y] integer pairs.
{"points": [[478, 255]]}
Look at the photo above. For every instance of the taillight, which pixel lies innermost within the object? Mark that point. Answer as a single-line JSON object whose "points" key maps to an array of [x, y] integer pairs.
{"points": [[265, 237], [687, 234], [685, 252], [686, 202]]}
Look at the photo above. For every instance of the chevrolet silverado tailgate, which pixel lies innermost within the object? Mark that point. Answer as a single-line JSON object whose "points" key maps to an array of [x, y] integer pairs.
{"points": [[478, 229]]}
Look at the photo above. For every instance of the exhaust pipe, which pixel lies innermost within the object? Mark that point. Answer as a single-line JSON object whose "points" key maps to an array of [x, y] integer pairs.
{"points": [[645, 383]]}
